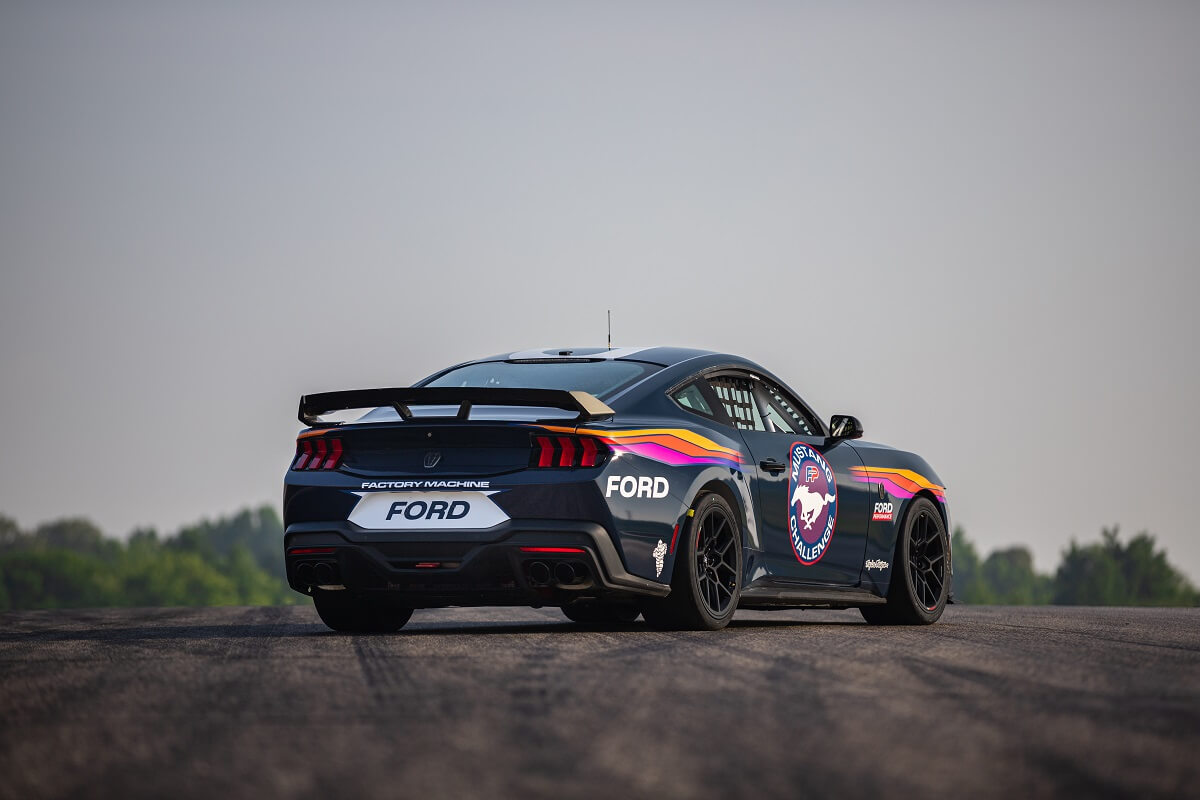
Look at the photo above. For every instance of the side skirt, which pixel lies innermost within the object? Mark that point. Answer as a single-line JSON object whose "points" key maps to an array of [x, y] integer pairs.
{"points": [[775, 595]]}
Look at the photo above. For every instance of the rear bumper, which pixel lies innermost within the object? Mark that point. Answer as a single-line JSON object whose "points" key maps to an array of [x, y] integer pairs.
{"points": [[425, 569]]}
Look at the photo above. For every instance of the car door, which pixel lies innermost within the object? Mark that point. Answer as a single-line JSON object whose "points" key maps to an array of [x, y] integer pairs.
{"points": [[812, 513]]}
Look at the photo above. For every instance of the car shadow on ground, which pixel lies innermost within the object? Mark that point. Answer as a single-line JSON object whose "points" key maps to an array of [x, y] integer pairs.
{"points": [[148, 633]]}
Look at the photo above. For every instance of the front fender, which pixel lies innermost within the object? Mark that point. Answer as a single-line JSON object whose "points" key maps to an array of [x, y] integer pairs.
{"points": [[899, 477]]}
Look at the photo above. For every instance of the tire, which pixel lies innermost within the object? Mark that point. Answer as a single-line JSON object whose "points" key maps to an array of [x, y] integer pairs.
{"points": [[594, 613], [349, 613], [707, 579], [920, 582]]}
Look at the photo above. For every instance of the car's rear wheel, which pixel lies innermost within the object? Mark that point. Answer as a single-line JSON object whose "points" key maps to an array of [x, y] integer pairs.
{"points": [[592, 612], [349, 613], [707, 580], [920, 582]]}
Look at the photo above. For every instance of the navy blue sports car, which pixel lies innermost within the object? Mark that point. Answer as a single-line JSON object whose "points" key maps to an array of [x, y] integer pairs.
{"points": [[679, 485]]}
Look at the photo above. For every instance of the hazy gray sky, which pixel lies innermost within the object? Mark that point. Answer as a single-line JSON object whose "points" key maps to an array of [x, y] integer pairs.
{"points": [[974, 225]]}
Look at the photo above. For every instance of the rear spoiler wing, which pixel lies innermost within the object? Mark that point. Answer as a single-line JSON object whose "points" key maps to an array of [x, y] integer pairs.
{"points": [[312, 406]]}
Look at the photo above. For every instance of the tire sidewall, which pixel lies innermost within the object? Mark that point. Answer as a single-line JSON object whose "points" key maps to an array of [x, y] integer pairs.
{"points": [[349, 613], [688, 554], [913, 605]]}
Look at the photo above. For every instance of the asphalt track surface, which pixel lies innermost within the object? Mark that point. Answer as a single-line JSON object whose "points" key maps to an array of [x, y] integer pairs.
{"points": [[265, 702]]}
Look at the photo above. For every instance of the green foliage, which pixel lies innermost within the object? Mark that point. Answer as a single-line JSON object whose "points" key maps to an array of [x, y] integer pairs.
{"points": [[1005, 577], [968, 583], [70, 564], [1103, 573], [1012, 579], [1112, 573]]}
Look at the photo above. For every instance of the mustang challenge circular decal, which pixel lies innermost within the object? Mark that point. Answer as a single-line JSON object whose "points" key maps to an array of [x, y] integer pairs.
{"points": [[812, 510]]}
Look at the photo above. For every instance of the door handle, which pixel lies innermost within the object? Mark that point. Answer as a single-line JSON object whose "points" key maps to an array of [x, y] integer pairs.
{"points": [[771, 465]]}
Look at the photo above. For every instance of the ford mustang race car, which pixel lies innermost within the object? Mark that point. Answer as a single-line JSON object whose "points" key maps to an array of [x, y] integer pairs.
{"points": [[679, 485]]}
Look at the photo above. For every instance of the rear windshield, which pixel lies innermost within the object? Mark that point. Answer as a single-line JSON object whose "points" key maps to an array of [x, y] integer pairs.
{"points": [[600, 378]]}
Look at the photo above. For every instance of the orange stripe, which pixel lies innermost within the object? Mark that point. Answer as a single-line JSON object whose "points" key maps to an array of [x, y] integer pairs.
{"points": [[905, 478]]}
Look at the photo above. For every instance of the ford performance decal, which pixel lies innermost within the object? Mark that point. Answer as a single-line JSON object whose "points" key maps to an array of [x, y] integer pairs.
{"points": [[678, 447], [898, 482]]}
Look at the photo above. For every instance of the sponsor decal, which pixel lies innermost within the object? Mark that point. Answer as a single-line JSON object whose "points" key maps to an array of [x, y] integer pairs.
{"points": [[432, 457], [427, 484], [637, 486], [875, 563], [812, 509], [426, 510], [883, 512], [660, 554]]}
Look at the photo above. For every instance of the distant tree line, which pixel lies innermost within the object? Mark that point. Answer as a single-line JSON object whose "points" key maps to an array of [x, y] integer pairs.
{"points": [[70, 563], [1105, 573], [238, 560]]}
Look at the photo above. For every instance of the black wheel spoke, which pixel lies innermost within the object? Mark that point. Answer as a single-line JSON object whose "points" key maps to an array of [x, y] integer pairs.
{"points": [[716, 561], [927, 559]]}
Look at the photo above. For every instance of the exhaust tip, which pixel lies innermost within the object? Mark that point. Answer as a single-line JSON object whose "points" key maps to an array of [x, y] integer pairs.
{"points": [[539, 573], [323, 573], [304, 574], [564, 572]]}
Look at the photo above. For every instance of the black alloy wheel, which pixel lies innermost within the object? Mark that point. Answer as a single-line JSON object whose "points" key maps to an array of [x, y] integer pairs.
{"points": [[927, 559], [706, 580], [716, 560], [347, 612], [920, 579]]}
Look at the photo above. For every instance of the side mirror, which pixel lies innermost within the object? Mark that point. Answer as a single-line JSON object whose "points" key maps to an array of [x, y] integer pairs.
{"points": [[844, 426]]}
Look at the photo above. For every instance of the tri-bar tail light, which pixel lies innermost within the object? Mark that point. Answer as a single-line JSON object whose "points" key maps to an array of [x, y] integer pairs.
{"points": [[318, 453], [568, 451]]}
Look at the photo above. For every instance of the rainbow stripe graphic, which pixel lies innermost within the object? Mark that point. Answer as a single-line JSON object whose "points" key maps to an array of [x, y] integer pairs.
{"points": [[898, 482], [677, 447]]}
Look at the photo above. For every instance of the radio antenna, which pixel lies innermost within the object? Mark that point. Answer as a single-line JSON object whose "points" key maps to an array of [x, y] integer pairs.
{"points": [[610, 329]]}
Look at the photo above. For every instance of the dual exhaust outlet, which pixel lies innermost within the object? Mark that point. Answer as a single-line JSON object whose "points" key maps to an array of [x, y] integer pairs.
{"points": [[319, 573], [560, 573]]}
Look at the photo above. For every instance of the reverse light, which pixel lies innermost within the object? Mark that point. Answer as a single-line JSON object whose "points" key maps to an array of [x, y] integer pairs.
{"points": [[319, 453]]}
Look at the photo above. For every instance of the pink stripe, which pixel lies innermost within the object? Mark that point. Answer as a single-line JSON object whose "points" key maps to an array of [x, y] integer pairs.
{"points": [[666, 455], [892, 488]]}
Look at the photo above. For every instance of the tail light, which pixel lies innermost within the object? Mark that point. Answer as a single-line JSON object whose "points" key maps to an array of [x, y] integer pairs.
{"points": [[567, 451], [318, 453]]}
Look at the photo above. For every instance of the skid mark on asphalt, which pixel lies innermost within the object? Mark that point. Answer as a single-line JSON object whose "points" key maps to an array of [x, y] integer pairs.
{"points": [[387, 678]]}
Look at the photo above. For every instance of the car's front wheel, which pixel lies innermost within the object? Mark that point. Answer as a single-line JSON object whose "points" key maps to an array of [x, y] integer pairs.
{"points": [[920, 582], [707, 580], [350, 613]]}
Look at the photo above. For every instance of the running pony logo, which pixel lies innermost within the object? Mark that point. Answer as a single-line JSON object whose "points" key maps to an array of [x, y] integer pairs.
{"points": [[811, 504], [812, 507]]}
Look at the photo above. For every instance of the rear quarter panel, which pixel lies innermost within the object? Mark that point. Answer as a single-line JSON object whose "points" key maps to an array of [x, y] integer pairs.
{"points": [[659, 465]]}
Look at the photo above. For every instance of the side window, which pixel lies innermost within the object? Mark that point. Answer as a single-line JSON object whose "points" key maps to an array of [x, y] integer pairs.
{"points": [[691, 398], [778, 420], [786, 414], [737, 396]]}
